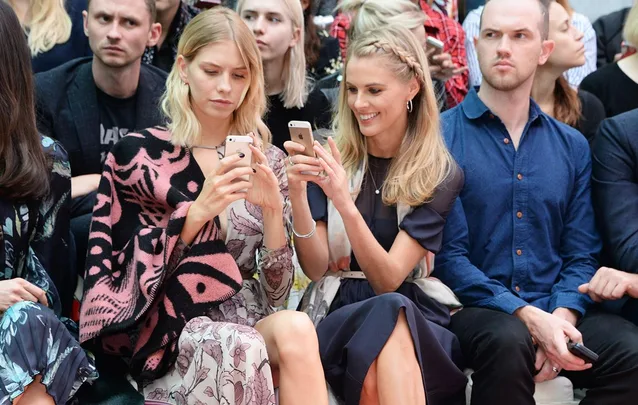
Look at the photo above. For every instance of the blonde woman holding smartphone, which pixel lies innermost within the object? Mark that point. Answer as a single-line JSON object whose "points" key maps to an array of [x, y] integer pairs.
{"points": [[363, 229]]}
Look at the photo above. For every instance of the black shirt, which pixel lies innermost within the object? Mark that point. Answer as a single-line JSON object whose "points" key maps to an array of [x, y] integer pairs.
{"points": [[317, 111], [592, 113], [614, 89], [117, 118]]}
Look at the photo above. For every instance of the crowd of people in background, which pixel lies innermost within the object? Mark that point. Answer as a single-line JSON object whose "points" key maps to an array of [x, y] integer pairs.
{"points": [[459, 201]]}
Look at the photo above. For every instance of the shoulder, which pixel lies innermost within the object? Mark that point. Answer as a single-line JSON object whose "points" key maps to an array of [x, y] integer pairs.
{"points": [[590, 103], [60, 77], [600, 76], [152, 73], [621, 125], [473, 19], [153, 141], [449, 119]]}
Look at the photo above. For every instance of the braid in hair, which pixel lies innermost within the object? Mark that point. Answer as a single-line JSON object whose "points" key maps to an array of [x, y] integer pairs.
{"points": [[404, 57]]}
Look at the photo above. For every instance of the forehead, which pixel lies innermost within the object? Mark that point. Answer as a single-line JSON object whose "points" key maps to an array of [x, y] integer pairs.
{"points": [[368, 69], [511, 15], [264, 6], [557, 13], [223, 53], [134, 8]]}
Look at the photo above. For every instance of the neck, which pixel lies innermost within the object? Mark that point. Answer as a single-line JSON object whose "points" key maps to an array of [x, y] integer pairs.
{"points": [[166, 18], [272, 76], [387, 144], [21, 8], [543, 89], [512, 106], [214, 131], [117, 82]]}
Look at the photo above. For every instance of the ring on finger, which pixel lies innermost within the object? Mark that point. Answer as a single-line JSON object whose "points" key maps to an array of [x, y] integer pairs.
{"points": [[290, 162], [556, 370]]}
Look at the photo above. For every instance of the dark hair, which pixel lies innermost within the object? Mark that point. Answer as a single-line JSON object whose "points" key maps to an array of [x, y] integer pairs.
{"points": [[543, 27], [151, 6], [312, 47], [567, 106], [24, 167]]}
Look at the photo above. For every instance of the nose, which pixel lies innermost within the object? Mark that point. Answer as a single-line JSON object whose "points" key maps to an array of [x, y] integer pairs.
{"points": [[360, 102], [504, 49], [223, 85], [259, 27], [578, 34], [114, 33]]}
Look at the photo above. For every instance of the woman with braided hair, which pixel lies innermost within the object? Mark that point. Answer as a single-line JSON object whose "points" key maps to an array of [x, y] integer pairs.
{"points": [[365, 224]]}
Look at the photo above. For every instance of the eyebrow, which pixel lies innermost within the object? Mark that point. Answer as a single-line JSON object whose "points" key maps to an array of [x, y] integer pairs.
{"points": [[214, 65], [102, 13], [275, 13], [375, 84]]}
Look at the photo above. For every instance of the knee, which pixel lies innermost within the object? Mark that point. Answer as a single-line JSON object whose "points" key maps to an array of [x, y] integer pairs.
{"points": [[508, 348], [296, 337]]}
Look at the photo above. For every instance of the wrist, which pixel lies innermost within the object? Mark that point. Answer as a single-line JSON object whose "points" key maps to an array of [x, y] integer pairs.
{"points": [[567, 314], [273, 212], [348, 209], [527, 314], [195, 215]]}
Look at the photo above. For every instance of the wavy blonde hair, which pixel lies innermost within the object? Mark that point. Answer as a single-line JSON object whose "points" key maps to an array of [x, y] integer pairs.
{"points": [[48, 25], [371, 14], [209, 27], [423, 162], [296, 84]]}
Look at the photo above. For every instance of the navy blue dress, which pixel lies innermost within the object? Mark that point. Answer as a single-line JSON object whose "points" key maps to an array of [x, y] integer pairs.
{"points": [[360, 322], [34, 339], [76, 47]]}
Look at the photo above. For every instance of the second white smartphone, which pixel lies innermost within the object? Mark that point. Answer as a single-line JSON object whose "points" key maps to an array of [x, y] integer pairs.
{"points": [[236, 144]]}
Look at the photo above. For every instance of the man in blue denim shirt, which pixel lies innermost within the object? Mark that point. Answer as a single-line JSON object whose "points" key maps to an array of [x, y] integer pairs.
{"points": [[521, 237]]}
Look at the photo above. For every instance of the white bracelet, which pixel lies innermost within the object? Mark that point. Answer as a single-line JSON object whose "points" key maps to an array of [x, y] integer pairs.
{"points": [[309, 234]]}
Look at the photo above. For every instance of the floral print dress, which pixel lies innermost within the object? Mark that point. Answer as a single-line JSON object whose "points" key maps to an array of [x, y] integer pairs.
{"points": [[219, 357], [34, 339]]}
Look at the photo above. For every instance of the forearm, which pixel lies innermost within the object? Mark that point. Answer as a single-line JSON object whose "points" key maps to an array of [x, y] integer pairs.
{"points": [[274, 230], [373, 259], [312, 252], [85, 184], [192, 225]]}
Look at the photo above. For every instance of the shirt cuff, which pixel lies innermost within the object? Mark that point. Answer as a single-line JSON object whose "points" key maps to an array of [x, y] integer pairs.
{"points": [[507, 302], [576, 301]]}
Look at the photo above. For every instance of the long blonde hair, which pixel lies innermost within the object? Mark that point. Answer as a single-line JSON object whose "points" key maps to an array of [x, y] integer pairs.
{"points": [[209, 27], [423, 162], [296, 84], [371, 14], [48, 26], [630, 32]]}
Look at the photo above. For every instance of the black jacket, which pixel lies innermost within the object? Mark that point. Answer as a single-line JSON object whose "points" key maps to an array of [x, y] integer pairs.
{"points": [[67, 109]]}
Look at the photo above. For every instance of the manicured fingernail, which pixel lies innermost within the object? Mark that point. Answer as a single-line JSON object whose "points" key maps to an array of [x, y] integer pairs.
{"points": [[241, 155], [254, 171]]}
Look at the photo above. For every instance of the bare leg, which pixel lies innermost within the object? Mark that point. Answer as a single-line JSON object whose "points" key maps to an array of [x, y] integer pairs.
{"points": [[35, 394], [396, 371], [293, 351]]}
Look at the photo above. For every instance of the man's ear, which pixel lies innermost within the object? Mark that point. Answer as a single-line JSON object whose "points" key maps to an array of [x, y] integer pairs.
{"points": [[154, 34], [546, 50], [85, 22]]}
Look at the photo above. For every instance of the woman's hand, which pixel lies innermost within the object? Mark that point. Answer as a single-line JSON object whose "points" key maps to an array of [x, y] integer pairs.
{"points": [[300, 168], [335, 183], [265, 185], [18, 290], [222, 187]]}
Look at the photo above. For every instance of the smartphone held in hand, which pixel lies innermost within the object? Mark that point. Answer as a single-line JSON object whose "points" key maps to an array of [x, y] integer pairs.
{"points": [[580, 351], [236, 144], [301, 133], [433, 43]]}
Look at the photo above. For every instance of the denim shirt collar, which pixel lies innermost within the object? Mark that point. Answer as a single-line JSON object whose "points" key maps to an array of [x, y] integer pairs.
{"points": [[474, 108]]}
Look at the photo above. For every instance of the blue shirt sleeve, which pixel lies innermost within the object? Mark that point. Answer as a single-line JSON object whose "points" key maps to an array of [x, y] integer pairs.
{"points": [[580, 242], [469, 283]]}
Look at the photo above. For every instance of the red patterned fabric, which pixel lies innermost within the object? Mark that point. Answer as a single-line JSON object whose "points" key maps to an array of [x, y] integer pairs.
{"points": [[438, 26]]}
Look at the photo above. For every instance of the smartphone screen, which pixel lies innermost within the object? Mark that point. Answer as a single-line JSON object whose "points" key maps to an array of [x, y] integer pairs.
{"points": [[236, 144]]}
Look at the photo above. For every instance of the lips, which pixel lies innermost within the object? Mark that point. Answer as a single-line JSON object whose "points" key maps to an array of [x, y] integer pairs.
{"points": [[262, 43], [504, 64], [113, 49], [222, 101]]}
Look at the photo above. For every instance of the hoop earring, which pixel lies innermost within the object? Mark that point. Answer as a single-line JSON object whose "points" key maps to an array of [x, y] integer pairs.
{"points": [[409, 105]]}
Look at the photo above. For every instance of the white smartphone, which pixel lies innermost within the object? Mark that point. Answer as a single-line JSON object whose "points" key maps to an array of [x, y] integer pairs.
{"points": [[436, 44], [301, 133], [239, 144]]}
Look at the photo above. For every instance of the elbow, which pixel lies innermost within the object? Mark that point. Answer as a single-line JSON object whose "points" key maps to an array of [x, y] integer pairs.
{"points": [[387, 286]]}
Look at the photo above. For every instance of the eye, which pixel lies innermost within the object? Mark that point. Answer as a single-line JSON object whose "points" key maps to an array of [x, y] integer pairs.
{"points": [[520, 35], [211, 72], [373, 90], [103, 18], [130, 23], [352, 90], [275, 19], [248, 17], [239, 76]]}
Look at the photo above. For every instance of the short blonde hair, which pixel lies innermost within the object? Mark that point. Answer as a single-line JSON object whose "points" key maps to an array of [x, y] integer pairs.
{"points": [[423, 162], [371, 14], [296, 84], [48, 26], [630, 32], [209, 27]]}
